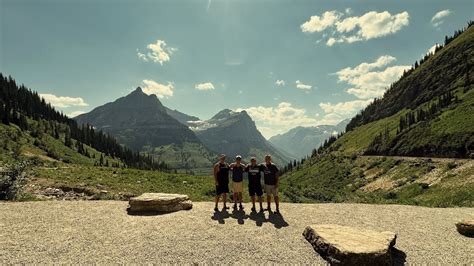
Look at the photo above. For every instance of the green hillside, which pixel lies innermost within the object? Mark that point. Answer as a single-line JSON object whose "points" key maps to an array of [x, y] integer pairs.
{"points": [[429, 112]]}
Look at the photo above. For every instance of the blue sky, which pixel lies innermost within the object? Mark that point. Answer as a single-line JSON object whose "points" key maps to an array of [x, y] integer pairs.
{"points": [[288, 63]]}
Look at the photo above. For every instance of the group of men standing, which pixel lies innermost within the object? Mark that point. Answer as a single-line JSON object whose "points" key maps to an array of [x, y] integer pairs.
{"points": [[222, 170]]}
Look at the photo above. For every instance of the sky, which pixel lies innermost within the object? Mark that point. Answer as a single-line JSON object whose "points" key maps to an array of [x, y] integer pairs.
{"points": [[287, 63]]}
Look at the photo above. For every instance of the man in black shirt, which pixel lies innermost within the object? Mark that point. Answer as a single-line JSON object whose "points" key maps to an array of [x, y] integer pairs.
{"points": [[255, 186], [272, 180], [221, 179], [237, 170]]}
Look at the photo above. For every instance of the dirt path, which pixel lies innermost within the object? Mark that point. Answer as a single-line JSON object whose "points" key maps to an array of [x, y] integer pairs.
{"points": [[413, 158], [102, 232]]}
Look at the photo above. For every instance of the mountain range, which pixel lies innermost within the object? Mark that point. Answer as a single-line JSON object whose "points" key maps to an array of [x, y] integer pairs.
{"points": [[300, 141], [143, 123], [235, 133], [138, 121]]}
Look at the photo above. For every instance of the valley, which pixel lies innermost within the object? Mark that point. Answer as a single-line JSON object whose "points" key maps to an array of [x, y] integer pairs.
{"points": [[388, 157]]}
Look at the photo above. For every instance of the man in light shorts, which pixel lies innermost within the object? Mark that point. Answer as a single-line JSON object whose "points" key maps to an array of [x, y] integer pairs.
{"points": [[237, 169], [271, 179]]}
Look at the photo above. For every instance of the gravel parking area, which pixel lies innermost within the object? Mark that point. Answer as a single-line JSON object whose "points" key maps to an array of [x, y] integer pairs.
{"points": [[103, 232]]}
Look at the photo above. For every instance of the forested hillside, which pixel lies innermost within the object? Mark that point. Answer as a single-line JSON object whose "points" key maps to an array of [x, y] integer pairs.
{"points": [[447, 69], [27, 117], [429, 112]]}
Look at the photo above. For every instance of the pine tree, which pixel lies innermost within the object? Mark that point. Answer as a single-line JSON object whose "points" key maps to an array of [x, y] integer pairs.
{"points": [[67, 138]]}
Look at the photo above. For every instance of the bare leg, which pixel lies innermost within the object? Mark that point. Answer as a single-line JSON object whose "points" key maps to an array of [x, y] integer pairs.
{"points": [[253, 201], [217, 199], [236, 195], [224, 199], [260, 201], [277, 203], [269, 199], [240, 197]]}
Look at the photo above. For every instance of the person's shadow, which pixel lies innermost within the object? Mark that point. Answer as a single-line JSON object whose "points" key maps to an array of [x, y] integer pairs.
{"points": [[239, 215], [220, 216], [277, 220], [258, 217], [398, 257]]}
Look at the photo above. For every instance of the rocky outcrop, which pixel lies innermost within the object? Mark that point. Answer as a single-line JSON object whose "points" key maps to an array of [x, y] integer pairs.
{"points": [[466, 227], [159, 202], [344, 245]]}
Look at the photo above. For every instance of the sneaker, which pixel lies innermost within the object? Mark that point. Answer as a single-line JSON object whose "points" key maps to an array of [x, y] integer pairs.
{"points": [[235, 206], [216, 209], [253, 209], [241, 207], [277, 211], [261, 210]]}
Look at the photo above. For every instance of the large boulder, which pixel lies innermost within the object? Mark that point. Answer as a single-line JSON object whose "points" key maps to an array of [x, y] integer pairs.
{"points": [[159, 202], [344, 245], [466, 227]]}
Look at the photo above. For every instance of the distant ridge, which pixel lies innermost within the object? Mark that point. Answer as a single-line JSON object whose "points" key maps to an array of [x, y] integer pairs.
{"points": [[300, 141]]}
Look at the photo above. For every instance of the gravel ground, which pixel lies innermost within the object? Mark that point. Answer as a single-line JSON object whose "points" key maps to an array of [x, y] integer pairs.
{"points": [[102, 232]]}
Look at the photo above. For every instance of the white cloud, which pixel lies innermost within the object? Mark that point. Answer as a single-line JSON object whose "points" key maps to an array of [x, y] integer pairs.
{"points": [[335, 113], [432, 49], [437, 19], [300, 85], [204, 86], [331, 41], [370, 25], [63, 101], [344, 108], [158, 52], [369, 83], [320, 23], [279, 119], [280, 82], [161, 90], [75, 113]]}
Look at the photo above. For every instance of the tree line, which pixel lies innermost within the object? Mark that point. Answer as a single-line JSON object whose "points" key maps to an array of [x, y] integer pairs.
{"points": [[372, 111], [19, 104]]}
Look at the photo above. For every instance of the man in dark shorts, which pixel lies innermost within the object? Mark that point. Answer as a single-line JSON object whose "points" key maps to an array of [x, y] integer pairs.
{"points": [[255, 185], [221, 178], [271, 179], [237, 170]]}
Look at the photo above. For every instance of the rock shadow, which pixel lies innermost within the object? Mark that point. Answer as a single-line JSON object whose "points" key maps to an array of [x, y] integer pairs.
{"points": [[148, 213]]}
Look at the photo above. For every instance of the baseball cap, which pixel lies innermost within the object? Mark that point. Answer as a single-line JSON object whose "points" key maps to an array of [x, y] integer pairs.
{"points": [[238, 157]]}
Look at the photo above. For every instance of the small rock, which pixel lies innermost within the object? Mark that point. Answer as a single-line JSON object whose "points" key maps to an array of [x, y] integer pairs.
{"points": [[185, 182], [103, 192], [344, 245], [159, 202], [466, 227]]}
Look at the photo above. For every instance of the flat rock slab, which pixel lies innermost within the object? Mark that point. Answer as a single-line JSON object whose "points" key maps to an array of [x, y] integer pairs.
{"points": [[344, 245], [159, 202], [466, 227]]}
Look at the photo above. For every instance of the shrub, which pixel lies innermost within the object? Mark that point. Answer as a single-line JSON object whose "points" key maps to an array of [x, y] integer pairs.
{"points": [[12, 180], [451, 165]]}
